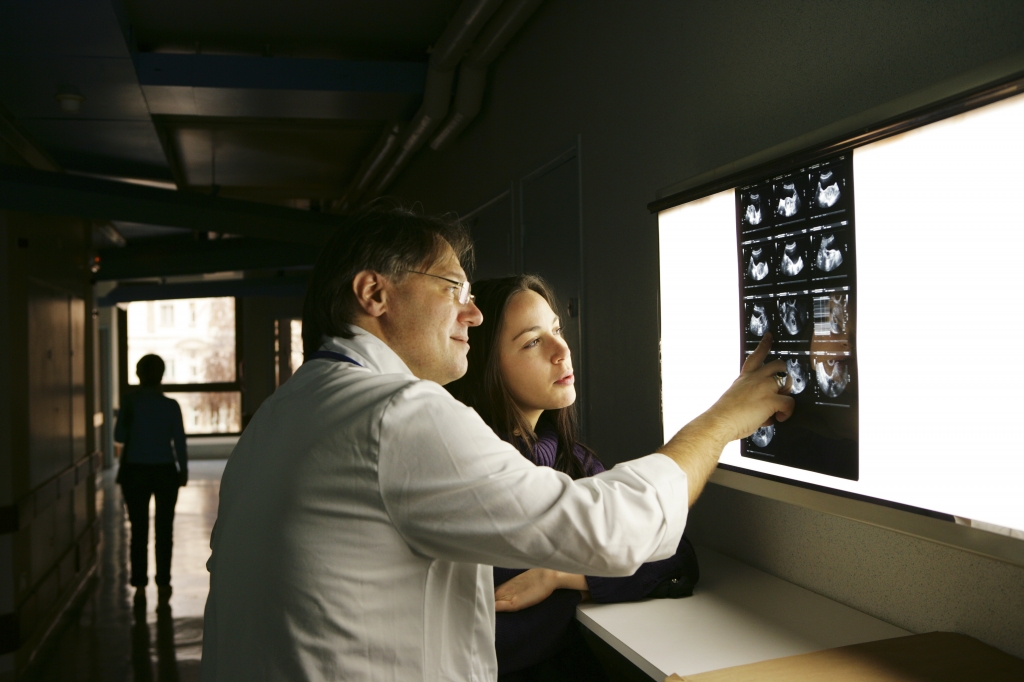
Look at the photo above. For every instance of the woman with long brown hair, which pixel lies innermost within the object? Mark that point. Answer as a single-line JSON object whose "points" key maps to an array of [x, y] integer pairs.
{"points": [[521, 381]]}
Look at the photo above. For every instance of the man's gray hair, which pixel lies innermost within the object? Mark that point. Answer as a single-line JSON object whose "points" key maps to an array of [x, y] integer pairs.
{"points": [[388, 240]]}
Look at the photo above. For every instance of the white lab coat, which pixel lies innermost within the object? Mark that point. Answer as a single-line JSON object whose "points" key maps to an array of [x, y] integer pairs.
{"points": [[360, 514]]}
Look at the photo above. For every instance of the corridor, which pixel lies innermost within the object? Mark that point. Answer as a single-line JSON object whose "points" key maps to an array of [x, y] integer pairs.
{"points": [[105, 638]]}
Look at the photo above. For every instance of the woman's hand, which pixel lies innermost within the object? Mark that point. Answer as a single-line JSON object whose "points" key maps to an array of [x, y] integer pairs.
{"points": [[533, 587]]}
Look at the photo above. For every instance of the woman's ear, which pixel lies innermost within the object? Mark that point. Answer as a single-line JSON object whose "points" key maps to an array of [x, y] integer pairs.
{"points": [[371, 294]]}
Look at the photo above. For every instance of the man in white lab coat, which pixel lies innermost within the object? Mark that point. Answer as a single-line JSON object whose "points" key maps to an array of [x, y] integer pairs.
{"points": [[363, 506]]}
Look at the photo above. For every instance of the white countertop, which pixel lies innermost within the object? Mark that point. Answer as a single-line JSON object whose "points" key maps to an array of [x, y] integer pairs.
{"points": [[737, 615]]}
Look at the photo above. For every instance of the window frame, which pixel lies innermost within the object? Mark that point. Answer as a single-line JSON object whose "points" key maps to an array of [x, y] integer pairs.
{"points": [[210, 387]]}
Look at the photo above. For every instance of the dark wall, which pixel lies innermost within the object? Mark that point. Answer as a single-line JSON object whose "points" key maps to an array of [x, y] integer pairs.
{"points": [[47, 466], [661, 91], [257, 328]]}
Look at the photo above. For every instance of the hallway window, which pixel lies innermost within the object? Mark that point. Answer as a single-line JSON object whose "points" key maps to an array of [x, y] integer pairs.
{"points": [[205, 347], [210, 413]]}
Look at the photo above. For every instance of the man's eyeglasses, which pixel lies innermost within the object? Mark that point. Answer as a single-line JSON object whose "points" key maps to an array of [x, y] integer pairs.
{"points": [[462, 294]]}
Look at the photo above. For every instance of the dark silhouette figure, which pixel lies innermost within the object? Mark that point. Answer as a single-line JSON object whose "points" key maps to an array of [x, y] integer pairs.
{"points": [[150, 426]]}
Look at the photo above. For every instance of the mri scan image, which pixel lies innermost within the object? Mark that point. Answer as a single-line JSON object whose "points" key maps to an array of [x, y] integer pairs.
{"points": [[829, 257], [797, 375], [833, 375], [763, 436], [758, 267], [794, 312], [758, 320]]}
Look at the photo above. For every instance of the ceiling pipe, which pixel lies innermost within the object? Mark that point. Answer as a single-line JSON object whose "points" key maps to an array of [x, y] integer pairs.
{"points": [[473, 71], [460, 32], [385, 146]]}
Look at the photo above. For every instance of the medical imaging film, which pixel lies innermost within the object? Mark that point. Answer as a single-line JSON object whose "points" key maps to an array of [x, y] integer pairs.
{"points": [[757, 313], [790, 197], [793, 256], [830, 251], [755, 207], [832, 315], [798, 369], [763, 436], [828, 185], [807, 300], [832, 374], [793, 313], [757, 257]]}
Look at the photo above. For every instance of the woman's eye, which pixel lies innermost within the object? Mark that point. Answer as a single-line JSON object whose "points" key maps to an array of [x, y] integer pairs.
{"points": [[532, 343], [558, 331]]}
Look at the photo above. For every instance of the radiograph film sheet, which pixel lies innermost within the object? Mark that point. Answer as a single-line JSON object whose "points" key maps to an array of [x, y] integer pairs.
{"points": [[799, 283]]}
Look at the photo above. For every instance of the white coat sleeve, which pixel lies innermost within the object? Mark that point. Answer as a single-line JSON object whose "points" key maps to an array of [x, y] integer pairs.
{"points": [[457, 492]]}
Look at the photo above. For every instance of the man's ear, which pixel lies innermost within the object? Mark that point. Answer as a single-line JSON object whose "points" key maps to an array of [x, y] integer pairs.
{"points": [[371, 296]]}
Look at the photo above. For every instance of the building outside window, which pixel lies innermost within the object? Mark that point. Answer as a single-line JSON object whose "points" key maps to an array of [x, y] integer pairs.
{"points": [[167, 315], [204, 349]]}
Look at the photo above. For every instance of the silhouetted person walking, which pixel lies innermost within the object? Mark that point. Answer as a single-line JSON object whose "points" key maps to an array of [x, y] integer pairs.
{"points": [[150, 426]]}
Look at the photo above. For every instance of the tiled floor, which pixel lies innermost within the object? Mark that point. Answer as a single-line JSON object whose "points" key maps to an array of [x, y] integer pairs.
{"points": [[108, 639]]}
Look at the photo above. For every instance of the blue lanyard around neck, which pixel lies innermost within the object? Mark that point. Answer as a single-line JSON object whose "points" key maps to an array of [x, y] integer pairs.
{"points": [[331, 355]]}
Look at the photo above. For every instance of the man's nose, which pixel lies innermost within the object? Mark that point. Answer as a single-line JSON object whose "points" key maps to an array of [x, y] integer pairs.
{"points": [[471, 315]]}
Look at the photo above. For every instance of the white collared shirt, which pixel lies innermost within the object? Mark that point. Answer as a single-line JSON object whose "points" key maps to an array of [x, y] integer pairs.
{"points": [[360, 514]]}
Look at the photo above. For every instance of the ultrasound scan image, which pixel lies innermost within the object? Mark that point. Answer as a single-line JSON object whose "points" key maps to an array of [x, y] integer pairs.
{"points": [[758, 324], [831, 314], [754, 206], [789, 197], [833, 375], [828, 185], [794, 311], [792, 263], [797, 375], [763, 436], [829, 257], [828, 190], [757, 268], [797, 260], [839, 313], [789, 203]]}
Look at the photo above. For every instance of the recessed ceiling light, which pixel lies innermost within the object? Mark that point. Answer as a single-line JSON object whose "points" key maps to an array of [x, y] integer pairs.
{"points": [[70, 99]]}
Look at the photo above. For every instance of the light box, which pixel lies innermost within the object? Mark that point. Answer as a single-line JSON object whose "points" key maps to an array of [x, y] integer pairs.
{"points": [[928, 398]]}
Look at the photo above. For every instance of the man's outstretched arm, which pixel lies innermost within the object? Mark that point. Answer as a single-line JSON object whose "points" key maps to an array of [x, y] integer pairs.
{"points": [[754, 399]]}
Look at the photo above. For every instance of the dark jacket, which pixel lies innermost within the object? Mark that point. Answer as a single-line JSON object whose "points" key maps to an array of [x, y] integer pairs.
{"points": [[533, 635]]}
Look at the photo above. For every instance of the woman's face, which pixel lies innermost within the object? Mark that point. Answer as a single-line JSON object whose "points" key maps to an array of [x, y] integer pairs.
{"points": [[533, 357]]}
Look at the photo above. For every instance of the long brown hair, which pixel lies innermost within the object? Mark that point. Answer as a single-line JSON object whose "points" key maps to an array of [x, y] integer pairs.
{"points": [[483, 389]]}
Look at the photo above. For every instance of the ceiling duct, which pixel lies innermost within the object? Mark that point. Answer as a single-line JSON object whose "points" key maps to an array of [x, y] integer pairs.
{"points": [[385, 146], [473, 71], [458, 35]]}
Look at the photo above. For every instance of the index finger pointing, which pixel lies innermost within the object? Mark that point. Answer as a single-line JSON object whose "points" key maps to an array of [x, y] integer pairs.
{"points": [[756, 359]]}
